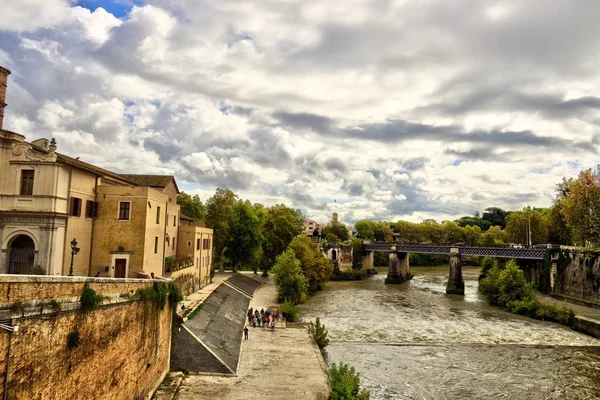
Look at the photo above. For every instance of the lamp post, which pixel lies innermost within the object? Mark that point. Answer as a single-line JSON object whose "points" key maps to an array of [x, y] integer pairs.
{"points": [[74, 250]]}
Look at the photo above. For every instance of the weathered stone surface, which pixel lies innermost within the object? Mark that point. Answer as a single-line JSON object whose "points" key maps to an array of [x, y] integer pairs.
{"points": [[581, 278], [244, 283], [456, 284], [123, 352]]}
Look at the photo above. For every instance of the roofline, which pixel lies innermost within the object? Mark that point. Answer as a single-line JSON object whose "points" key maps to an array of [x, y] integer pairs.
{"points": [[170, 176], [91, 168], [5, 71]]}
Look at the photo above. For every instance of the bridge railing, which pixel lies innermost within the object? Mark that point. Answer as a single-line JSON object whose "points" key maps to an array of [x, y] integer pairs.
{"points": [[498, 252]]}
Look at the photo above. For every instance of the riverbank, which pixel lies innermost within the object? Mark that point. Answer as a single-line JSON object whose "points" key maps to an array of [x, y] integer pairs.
{"points": [[285, 364]]}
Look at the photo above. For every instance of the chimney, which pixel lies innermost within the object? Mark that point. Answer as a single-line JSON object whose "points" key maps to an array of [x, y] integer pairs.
{"points": [[4, 73]]}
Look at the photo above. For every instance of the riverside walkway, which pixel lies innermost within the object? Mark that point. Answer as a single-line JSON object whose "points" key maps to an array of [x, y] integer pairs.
{"points": [[285, 364]]}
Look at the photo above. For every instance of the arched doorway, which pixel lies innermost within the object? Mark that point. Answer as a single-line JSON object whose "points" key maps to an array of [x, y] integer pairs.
{"points": [[333, 254], [22, 255]]}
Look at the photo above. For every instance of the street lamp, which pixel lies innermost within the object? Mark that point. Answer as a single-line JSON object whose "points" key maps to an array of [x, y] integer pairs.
{"points": [[74, 250]]}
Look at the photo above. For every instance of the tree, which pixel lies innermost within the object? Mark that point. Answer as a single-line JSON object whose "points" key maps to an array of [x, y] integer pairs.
{"points": [[472, 234], [191, 206], [495, 216], [581, 208], [338, 229], [281, 224], [316, 268], [290, 282], [492, 237], [408, 232], [218, 215], [520, 223], [365, 230], [319, 333], [452, 233], [243, 235]]}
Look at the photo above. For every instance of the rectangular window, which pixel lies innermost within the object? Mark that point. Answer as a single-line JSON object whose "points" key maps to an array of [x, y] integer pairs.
{"points": [[91, 209], [174, 242], [156, 245], [75, 207], [158, 215], [124, 210], [27, 182], [189, 244], [174, 220], [197, 244]]}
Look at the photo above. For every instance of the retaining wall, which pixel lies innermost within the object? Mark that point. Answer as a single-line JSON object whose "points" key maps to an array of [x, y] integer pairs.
{"points": [[123, 349]]}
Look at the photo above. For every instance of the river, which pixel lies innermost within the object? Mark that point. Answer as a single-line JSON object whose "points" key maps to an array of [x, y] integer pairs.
{"points": [[412, 341]]}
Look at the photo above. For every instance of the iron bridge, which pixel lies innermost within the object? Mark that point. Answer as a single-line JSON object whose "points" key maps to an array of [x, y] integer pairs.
{"points": [[497, 252]]}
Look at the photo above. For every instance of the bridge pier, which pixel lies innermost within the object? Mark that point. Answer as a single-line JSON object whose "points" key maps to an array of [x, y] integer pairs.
{"points": [[368, 263], [456, 284], [398, 271]]}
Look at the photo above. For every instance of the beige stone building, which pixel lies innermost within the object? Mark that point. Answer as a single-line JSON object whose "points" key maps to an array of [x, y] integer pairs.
{"points": [[124, 225], [310, 226], [195, 243]]}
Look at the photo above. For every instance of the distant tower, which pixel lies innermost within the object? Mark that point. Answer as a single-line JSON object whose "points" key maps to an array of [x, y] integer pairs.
{"points": [[4, 73], [334, 217]]}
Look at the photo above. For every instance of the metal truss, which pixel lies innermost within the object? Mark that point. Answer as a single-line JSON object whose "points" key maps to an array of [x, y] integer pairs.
{"points": [[497, 252]]}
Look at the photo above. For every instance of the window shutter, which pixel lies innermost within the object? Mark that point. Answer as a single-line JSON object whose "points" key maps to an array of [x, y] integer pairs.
{"points": [[95, 212], [71, 205], [79, 203]]}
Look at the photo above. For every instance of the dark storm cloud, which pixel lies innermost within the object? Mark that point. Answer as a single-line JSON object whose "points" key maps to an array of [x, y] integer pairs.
{"points": [[301, 199], [480, 153]]}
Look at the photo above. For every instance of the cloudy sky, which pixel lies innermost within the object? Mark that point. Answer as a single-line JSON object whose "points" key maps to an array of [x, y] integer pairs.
{"points": [[394, 109]]}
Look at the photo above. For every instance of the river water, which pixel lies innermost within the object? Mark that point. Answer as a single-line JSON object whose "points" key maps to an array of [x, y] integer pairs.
{"points": [[412, 341]]}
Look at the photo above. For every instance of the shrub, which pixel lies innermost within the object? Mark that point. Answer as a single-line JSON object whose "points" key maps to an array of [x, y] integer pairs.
{"points": [[54, 305], [513, 285], [290, 310], [486, 265], [562, 314], [344, 383], [89, 299], [349, 275], [319, 333], [289, 279], [528, 307], [160, 292]]}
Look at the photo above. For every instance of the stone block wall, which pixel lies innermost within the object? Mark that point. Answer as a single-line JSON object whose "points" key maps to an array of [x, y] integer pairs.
{"points": [[123, 351], [580, 277]]}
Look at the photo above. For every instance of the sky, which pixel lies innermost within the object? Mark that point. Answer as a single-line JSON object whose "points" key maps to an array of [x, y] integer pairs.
{"points": [[375, 109]]}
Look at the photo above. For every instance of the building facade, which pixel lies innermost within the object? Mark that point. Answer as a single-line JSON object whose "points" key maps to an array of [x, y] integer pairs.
{"points": [[61, 216]]}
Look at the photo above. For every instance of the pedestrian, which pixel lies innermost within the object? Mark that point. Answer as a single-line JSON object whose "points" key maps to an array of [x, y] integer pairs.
{"points": [[245, 333], [283, 316], [249, 315], [262, 311], [151, 275], [273, 325], [97, 275], [254, 321]]}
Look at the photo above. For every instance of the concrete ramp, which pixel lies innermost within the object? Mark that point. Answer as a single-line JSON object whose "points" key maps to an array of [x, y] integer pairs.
{"points": [[210, 341], [243, 283]]}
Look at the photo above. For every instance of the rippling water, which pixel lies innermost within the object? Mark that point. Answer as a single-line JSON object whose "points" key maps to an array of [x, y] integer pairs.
{"points": [[412, 341]]}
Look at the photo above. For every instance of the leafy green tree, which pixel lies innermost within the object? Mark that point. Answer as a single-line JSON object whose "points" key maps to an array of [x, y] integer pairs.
{"points": [[243, 235], [365, 230], [477, 221], [452, 233], [331, 238], [344, 383], [495, 216], [558, 230], [218, 214], [492, 237], [486, 265], [518, 224], [315, 266], [472, 234], [191, 206], [281, 224], [581, 208], [338, 229], [289, 279], [408, 232]]}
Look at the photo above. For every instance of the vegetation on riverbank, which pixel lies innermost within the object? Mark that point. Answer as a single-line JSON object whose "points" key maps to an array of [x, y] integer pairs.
{"points": [[344, 381], [507, 288]]}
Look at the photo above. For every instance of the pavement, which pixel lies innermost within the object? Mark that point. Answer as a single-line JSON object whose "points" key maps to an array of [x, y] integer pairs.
{"points": [[580, 311], [280, 364]]}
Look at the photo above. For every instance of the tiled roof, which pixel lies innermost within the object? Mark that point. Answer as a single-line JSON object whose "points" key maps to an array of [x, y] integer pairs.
{"points": [[160, 181]]}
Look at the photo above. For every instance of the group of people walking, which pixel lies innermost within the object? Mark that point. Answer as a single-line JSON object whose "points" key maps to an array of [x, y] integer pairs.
{"points": [[263, 318]]}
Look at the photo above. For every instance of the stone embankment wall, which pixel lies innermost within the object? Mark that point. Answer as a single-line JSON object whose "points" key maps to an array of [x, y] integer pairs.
{"points": [[210, 340], [578, 275], [123, 349]]}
